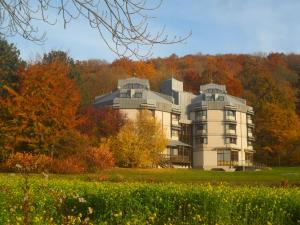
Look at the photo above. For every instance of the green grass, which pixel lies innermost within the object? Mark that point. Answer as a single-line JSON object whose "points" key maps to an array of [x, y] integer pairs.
{"points": [[273, 177]]}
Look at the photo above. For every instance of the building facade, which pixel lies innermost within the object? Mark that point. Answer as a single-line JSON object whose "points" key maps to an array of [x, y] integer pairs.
{"points": [[209, 130]]}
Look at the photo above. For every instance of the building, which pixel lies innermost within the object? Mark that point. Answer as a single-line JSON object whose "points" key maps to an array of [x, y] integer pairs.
{"points": [[209, 130]]}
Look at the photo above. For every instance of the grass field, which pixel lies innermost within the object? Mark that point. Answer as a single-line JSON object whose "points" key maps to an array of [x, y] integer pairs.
{"points": [[153, 196], [273, 177]]}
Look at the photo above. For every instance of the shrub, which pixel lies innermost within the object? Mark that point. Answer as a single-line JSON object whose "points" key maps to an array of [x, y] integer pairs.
{"points": [[26, 161], [98, 158], [70, 164]]}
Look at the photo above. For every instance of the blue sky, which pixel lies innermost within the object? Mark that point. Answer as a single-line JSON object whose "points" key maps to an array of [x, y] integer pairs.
{"points": [[218, 27]]}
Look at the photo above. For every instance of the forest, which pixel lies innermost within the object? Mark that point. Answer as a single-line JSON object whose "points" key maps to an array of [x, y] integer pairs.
{"points": [[46, 104]]}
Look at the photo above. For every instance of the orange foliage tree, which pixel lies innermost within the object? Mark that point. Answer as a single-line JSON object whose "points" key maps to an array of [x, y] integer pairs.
{"points": [[140, 68], [43, 110]]}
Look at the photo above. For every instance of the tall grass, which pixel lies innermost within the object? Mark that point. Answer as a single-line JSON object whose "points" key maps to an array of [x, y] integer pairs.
{"points": [[77, 202]]}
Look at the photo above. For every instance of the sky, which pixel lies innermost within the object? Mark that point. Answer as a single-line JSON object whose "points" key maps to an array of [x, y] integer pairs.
{"points": [[217, 26]]}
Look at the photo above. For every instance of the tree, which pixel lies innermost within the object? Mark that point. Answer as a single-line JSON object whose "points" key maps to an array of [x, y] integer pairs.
{"points": [[10, 63], [43, 110], [101, 122], [139, 143], [139, 68], [63, 57], [276, 128], [122, 25]]}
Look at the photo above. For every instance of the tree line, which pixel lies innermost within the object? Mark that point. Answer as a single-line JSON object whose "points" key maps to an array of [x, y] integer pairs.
{"points": [[46, 106]]}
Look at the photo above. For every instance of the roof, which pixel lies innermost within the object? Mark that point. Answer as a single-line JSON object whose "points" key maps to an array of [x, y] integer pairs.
{"points": [[175, 143], [133, 80], [213, 88]]}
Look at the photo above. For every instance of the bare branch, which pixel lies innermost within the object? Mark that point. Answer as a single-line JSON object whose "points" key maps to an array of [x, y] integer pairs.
{"points": [[122, 24]]}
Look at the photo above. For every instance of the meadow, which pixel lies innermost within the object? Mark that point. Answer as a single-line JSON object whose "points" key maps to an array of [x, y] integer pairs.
{"points": [[137, 196]]}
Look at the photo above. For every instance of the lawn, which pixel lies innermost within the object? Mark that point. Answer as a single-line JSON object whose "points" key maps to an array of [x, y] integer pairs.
{"points": [[272, 177]]}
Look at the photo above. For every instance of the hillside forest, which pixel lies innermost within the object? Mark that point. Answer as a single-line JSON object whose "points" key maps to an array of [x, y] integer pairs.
{"points": [[46, 104]]}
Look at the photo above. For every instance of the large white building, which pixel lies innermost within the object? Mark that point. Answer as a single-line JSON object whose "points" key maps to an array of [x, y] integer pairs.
{"points": [[209, 130]]}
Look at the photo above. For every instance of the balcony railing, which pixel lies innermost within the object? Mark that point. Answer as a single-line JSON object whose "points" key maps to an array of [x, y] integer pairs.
{"points": [[176, 158], [249, 121], [201, 118], [228, 131], [175, 122], [201, 132]]}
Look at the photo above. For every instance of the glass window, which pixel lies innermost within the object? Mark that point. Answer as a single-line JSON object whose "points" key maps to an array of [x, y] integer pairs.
{"points": [[201, 140], [220, 98], [138, 95], [174, 151], [231, 126], [174, 133], [175, 117], [133, 86], [230, 140], [202, 114], [124, 95], [227, 157], [230, 113], [249, 157]]}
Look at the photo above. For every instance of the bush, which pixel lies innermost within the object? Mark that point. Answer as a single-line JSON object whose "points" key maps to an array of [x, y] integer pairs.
{"points": [[26, 162], [98, 158], [70, 164]]}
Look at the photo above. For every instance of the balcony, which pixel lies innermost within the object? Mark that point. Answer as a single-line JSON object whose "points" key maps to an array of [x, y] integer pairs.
{"points": [[249, 121], [230, 120], [230, 132], [201, 118], [200, 132], [175, 158]]}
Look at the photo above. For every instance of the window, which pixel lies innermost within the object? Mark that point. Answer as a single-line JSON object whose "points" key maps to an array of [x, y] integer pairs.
{"points": [[249, 118], [174, 133], [231, 127], [250, 131], [230, 113], [201, 140], [138, 95], [201, 115], [175, 117], [249, 157], [220, 98], [201, 128], [125, 95], [227, 157], [230, 140], [174, 151], [133, 86]]}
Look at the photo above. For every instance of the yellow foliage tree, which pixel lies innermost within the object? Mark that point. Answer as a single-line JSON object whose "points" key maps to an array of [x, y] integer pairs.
{"points": [[140, 142]]}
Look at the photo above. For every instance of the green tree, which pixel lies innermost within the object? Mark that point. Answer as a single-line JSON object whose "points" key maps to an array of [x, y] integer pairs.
{"points": [[139, 143], [10, 63], [64, 58]]}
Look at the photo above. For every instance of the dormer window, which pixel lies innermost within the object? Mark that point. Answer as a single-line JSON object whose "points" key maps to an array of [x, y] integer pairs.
{"points": [[138, 95], [134, 86]]}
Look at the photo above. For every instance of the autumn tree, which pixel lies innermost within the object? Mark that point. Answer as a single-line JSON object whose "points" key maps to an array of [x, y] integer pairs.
{"points": [[142, 69], [218, 70], [276, 128], [43, 110], [140, 142], [101, 122]]}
